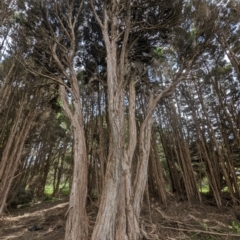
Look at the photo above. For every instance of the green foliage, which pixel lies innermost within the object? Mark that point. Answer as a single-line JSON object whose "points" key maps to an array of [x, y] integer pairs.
{"points": [[63, 123], [205, 226], [235, 227], [94, 193], [48, 190], [204, 188], [226, 69], [64, 189], [159, 51], [193, 32]]}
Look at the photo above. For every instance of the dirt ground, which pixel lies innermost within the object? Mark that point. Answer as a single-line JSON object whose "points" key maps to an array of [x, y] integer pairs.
{"points": [[178, 220], [41, 220]]}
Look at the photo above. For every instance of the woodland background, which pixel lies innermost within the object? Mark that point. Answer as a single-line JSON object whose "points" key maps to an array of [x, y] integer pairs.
{"points": [[177, 64]]}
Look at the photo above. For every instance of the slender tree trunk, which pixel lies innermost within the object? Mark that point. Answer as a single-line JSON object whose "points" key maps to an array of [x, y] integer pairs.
{"points": [[157, 170], [102, 154], [6, 88], [77, 221], [46, 168], [12, 153], [211, 171], [141, 176], [127, 223]]}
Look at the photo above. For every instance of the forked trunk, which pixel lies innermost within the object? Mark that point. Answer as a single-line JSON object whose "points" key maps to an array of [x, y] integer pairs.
{"points": [[128, 226], [127, 223]]}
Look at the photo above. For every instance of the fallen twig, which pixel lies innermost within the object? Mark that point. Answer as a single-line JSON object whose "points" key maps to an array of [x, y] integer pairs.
{"points": [[202, 231]]}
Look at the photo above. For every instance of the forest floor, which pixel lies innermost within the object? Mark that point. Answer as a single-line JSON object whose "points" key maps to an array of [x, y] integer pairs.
{"points": [[178, 220]]}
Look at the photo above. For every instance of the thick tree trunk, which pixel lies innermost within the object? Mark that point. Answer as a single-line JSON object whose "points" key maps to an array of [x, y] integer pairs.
{"points": [[105, 224], [127, 222]]}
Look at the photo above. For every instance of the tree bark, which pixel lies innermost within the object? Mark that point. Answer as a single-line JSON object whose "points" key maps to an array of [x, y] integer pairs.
{"points": [[77, 222], [157, 170], [141, 176], [105, 223], [127, 223]]}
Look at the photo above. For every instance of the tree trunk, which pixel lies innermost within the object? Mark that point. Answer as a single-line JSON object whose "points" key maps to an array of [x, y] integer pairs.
{"points": [[118, 194], [141, 176], [6, 87], [77, 222], [158, 170], [76, 225], [127, 223], [105, 224], [131, 196]]}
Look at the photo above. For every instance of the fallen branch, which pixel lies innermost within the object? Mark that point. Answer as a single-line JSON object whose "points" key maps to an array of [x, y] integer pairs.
{"points": [[202, 231]]}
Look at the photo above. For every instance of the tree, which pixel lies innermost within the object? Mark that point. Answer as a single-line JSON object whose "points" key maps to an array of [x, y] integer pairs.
{"points": [[59, 24], [125, 27]]}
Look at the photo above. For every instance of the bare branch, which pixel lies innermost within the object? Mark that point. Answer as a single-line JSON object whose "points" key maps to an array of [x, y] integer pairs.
{"points": [[34, 72]]}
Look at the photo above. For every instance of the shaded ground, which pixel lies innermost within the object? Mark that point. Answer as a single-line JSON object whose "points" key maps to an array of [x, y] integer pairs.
{"points": [[178, 220], [42, 221]]}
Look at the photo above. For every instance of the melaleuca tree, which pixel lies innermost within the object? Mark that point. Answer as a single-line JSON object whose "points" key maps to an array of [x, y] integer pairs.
{"points": [[130, 35], [53, 31], [127, 57]]}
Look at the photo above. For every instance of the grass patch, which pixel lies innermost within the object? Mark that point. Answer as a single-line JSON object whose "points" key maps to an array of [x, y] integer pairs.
{"points": [[235, 227], [48, 190], [64, 190], [204, 189], [204, 186]]}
